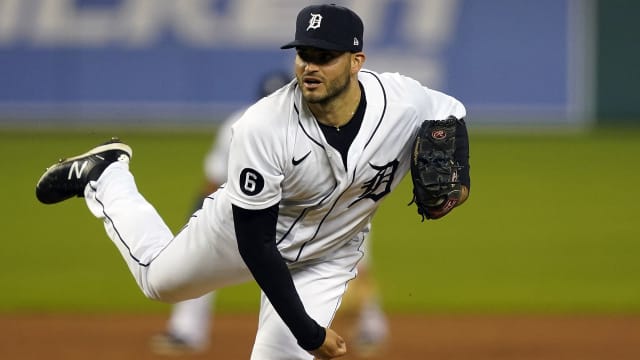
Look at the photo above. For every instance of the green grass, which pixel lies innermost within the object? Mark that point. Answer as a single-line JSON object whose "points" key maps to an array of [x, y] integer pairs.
{"points": [[550, 227]]}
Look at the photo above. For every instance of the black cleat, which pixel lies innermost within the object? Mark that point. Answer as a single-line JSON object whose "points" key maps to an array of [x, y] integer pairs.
{"points": [[68, 177]]}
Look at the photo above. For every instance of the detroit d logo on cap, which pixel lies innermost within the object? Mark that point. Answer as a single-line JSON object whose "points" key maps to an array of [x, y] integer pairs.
{"points": [[314, 21]]}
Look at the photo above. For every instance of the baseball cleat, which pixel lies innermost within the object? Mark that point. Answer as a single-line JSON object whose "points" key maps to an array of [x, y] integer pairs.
{"points": [[169, 344], [68, 177]]}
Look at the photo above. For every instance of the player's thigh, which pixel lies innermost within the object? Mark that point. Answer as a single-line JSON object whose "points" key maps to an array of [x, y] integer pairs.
{"points": [[196, 261]]}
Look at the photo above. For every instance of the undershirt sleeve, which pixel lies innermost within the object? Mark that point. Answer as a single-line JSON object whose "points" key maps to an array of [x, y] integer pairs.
{"points": [[256, 235]]}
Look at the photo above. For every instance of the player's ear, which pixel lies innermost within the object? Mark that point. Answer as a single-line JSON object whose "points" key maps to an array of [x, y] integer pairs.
{"points": [[357, 61]]}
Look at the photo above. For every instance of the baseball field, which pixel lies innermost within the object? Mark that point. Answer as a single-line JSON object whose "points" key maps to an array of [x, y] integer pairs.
{"points": [[542, 262]]}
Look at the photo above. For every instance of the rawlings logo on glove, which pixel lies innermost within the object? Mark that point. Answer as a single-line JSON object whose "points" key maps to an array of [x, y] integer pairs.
{"points": [[434, 170]]}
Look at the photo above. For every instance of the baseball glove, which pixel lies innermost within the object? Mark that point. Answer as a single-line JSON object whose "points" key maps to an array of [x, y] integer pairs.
{"points": [[434, 170]]}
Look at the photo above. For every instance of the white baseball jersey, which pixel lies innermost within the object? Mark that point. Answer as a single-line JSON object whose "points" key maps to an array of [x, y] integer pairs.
{"points": [[278, 154]]}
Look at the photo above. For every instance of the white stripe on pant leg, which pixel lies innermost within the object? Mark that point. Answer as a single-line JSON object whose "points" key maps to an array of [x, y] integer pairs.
{"points": [[133, 225]]}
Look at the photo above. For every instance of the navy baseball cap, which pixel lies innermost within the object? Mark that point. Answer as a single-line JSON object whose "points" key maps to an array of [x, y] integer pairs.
{"points": [[328, 27]]}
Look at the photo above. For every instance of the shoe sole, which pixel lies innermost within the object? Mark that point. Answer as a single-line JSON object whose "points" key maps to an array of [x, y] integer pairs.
{"points": [[99, 149]]}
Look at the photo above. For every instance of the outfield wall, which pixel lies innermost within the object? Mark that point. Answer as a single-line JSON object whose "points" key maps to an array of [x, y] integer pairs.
{"points": [[509, 61], [618, 57]]}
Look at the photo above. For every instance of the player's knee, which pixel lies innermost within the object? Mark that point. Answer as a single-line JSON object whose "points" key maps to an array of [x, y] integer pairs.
{"points": [[157, 289], [165, 296], [170, 293], [161, 295]]}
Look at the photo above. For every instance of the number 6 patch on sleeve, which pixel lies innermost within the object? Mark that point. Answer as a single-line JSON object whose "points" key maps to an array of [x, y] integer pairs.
{"points": [[251, 182]]}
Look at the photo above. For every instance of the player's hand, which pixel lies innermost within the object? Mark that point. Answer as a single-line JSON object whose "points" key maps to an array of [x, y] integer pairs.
{"points": [[332, 347]]}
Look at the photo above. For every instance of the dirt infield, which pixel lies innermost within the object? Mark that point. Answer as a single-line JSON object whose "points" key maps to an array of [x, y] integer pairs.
{"points": [[123, 337]]}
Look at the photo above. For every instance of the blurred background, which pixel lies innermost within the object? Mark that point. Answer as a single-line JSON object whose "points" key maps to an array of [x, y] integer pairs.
{"points": [[146, 62], [553, 114]]}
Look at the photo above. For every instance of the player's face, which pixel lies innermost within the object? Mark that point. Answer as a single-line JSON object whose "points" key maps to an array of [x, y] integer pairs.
{"points": [[322, 75]]}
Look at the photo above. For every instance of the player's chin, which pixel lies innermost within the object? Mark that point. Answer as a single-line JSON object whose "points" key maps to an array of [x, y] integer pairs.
{"points": [[314, 96]]}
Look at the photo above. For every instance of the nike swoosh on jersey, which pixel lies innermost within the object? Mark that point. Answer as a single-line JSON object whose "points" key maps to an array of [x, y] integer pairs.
{"points": [[297, 162]]}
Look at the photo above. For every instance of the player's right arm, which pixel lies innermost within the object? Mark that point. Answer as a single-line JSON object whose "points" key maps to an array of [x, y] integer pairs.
{"points": [[256, 236], [256, 163]]}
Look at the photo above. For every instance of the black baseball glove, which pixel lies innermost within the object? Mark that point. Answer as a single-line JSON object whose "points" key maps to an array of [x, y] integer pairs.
{"points": [[434, 169]]}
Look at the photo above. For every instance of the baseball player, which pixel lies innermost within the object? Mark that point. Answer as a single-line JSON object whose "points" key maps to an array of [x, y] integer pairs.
{"points": [[308, 168], [188, 327]]}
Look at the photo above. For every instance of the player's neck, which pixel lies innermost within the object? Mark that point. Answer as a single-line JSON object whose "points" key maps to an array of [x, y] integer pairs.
{"points": [[340, 110]]}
